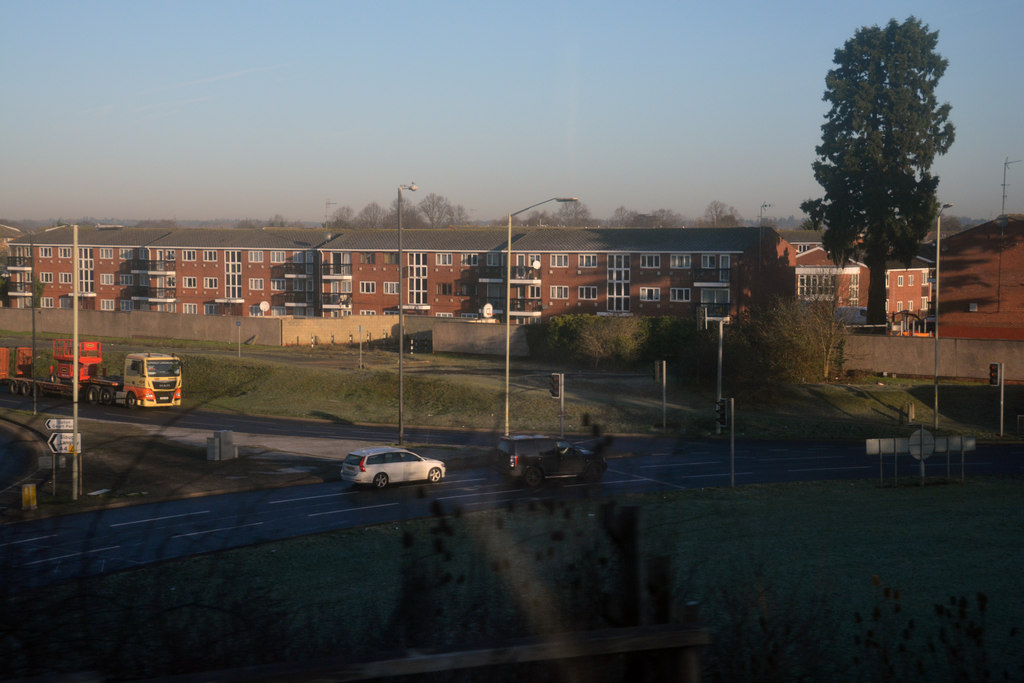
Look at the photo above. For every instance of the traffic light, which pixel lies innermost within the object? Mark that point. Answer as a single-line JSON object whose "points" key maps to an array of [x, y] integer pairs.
{"points": [[993, 374], [722, 412], [556, 385]]}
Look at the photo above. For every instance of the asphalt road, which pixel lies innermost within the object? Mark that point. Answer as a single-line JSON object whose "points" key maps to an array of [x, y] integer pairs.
{"points": [[56, 549]]}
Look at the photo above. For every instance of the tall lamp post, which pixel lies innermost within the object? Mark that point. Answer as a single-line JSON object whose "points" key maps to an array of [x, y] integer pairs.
{"points": [[401, 317], [508, 293], [938, 244]]}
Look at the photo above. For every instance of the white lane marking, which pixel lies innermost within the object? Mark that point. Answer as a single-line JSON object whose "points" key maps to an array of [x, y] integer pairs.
{"points": [[160, 519], [365, 507], [833, 469], [64, 557], [28, 540], [682, 464], [214, 531], [326, 495], [805, 457]]}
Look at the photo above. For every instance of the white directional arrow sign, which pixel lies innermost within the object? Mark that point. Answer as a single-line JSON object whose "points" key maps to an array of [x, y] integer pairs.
{"points": [[60, 424], [60, 442]]}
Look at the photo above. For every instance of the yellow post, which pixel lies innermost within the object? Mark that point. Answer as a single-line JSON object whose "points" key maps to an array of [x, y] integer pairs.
{"points": [[28, 496]]}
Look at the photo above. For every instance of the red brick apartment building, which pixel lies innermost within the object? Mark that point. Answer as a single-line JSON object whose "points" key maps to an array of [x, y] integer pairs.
{"points": [[449, 273], [981, 281]]}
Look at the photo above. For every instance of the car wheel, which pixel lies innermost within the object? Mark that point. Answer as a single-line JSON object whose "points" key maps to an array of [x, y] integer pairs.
{"points": [[380, 480], [592, 472], [434, 475], [532, 477], [130, 401]]}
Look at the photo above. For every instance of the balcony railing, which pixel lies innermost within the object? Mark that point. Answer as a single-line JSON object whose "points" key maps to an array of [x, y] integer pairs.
{"points": [[286, 269], [19, 261], [333, 299], [527, 306], [152, 265], [711, 274], [19, 288], [336, 270], [291, 298], [717, 310], [145, 292]]}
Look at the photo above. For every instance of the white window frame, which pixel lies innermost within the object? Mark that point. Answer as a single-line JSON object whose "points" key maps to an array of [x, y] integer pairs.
{"points": [[650, 260], [559, 292], [107, 304], [256, 283], [588, 261], [255, 257], [190, 309], [559, 261], [444, 259], [681, 261], [679, 294], [107, 279], [210, 283], [188, 254], [650, 294], [209, 255], [588, 293], [390, 288], [107, 253], [189, 282], [368, 287]]}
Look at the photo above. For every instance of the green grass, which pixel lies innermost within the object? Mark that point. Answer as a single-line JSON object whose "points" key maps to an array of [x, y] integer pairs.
{"points": [[781, 571]]}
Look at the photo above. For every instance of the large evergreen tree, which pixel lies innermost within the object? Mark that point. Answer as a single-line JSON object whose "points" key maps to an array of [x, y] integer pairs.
{"points": [[881, 134]]}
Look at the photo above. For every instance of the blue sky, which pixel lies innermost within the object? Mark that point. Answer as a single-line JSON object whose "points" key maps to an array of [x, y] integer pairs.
{"points": [[219, 109]]}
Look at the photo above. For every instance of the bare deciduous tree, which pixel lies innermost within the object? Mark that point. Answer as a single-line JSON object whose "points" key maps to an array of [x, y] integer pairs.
{"points": [[372, 216]]}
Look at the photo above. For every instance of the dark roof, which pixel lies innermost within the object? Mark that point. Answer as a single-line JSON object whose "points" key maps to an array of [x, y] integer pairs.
{"points": [[639, 239], [801, 236], [94, 237], [198, 238], [469, 239]]}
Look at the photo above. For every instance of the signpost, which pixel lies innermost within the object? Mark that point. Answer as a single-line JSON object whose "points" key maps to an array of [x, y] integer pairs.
{"points": [[65, 442], [60, 424]]}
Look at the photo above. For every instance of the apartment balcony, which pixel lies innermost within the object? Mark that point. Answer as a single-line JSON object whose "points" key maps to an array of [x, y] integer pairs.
{"points": [[291, 270], [19, 263], [293, 299], [716, 311], [336, 301], [711, 277], [153, 294], [335, 271], [526, 308], [19, 288], [153, 266]]}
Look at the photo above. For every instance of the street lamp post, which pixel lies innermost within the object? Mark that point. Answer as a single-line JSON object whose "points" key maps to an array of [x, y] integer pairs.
{"points": [[401, 317], [938, 244], [508, 293]]}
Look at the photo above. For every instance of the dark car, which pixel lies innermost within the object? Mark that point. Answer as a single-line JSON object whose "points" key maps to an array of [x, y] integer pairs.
{"points": [[532, 459]]}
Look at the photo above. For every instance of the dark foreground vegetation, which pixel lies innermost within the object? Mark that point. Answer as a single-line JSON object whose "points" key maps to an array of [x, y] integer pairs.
{"points": [[814, 582]]}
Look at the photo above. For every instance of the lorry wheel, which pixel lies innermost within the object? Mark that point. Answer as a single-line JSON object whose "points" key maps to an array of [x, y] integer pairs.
{"points": [[532, 477], [92, 395], [130, 401], [106, 397], [25, 388], [12, 386]]}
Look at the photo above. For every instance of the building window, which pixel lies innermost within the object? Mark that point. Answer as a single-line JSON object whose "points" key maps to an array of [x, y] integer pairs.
{"points": [[255, 257], [107, 305], [126, 305], [650, 294], [45, 252], [444, 315], [588, 260], [911, 282], [816, 285], [368, 257], [468, 290], [63, 252], [444, 288], [209, 283], [650, 260], [277, 257], [107, 253], [444, 259], [679, 261], [679, 294], [559, 292], [256, 283], [391, 288], [209, 255], [559, 260], [255, 312], [46, 302], [107, 279], [209, 309], [618, 282], [588, 293], [367, 312], [190, 309], [494, 258], [910, 305], [470, 259], [126, 279], [189, 282], [391, 258], [278, 285], [46, 278], [708, 261], [188, 254], [533, 291], [899, 282], [367, 287]]}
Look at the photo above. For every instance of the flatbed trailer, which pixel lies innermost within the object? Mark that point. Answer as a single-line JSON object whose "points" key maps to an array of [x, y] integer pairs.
{"points": [[149, 379]]}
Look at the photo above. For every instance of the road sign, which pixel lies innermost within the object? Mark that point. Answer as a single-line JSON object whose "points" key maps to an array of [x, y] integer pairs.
{"points": [[60, 424], [61, 442], [922, 444]]}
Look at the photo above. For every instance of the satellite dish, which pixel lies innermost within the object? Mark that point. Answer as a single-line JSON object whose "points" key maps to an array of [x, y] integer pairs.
{"points": [[488, 311], [536, 265], [264, 306]]}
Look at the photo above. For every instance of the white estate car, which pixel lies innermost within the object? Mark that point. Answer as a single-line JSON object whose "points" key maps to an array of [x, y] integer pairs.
{"points": [[381, 465]]}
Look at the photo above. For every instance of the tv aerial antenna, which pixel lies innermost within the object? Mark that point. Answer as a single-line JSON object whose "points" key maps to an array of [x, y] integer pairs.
{"points": [[1006, 165]]}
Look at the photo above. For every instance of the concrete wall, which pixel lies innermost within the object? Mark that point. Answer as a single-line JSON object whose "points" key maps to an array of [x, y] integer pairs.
{"points": [[964, 358]]}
